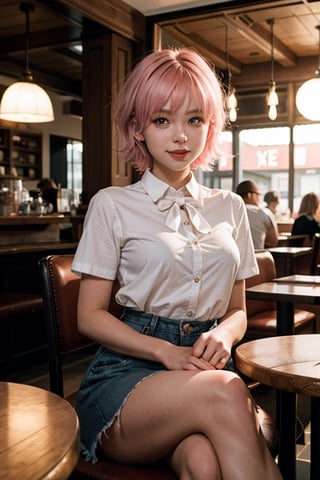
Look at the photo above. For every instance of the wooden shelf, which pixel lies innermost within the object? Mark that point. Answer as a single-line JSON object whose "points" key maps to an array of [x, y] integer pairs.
{"points": [[21, 153]]}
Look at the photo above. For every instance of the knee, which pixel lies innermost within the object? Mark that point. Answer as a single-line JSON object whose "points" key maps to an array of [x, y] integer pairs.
{"points": [[200, 462], [228, 388]]}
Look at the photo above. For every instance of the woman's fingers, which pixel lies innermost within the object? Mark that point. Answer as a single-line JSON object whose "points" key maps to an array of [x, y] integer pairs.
{"points": [[195, 363]]}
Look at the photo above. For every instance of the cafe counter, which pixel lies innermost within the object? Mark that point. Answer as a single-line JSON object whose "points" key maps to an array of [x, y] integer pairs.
{"points": [[22, 229]]}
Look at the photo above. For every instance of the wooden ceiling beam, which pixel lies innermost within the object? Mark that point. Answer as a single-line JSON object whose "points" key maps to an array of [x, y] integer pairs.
{"points": [[260, 36], [57, 37], [117, 16], [215, 55], [59, 84]]}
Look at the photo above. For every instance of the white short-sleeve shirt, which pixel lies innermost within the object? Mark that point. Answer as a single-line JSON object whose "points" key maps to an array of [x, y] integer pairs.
{"points": [[176, 253], [259, 224]]}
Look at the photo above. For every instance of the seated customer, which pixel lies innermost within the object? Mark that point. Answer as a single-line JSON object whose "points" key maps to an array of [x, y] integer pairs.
{"points": [[272, 200], [49, 191], [263, 230], [307, 222]]}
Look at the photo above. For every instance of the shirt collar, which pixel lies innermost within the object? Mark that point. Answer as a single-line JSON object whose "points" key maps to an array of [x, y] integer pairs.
{"points": [[171, 201], [157, 189]]}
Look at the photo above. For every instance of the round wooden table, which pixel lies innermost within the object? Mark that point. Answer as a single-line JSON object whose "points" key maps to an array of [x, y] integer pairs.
{"points": [[292, 365], [39, 434]]}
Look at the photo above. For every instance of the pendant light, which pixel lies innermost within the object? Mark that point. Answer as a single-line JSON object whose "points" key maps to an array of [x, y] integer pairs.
{"points": [[25, 101], [308, 95], [231, 99], [272, 96]]}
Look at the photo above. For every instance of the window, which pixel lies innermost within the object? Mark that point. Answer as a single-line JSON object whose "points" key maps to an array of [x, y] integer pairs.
{"points": [[66, 165], [306, 139], [222, 174], [264, 158], [74, 169]]}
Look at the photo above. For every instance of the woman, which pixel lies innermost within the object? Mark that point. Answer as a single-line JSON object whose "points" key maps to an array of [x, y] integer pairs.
{"points": [[307, 222], [159, 386], [272, 200]]}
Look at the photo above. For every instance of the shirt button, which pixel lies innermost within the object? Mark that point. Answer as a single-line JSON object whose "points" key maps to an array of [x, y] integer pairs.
{"points": [[195, 242], [186, 223], [189, 314], [196, 279]]}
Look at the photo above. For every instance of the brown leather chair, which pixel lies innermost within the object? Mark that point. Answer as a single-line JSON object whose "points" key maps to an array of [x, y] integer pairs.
{"points": [[60, 293], [262, 315]]}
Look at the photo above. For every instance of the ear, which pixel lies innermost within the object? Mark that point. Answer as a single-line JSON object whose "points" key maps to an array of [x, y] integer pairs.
{"points": [[139, 137]]}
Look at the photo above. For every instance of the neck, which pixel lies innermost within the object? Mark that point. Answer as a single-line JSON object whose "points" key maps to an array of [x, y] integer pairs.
{"points": [[174, 179]]}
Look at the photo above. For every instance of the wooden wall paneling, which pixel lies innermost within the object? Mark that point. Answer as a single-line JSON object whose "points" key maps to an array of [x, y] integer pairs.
{"points": [[105, 59], [121, 173]]}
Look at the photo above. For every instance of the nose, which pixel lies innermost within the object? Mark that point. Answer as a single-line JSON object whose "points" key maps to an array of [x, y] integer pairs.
{"points": [[180, 137]]}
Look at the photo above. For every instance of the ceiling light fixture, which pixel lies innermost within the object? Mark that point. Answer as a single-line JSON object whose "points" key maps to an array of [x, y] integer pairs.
{"points": [[308, 95], [231, 99], [272, 96], [25, 101]]}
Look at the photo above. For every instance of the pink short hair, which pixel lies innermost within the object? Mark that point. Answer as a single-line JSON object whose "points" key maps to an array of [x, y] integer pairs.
{"points": [[172, 73]]}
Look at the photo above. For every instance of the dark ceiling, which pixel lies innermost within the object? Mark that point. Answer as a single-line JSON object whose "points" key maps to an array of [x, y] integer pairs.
{"points": [[55, 31], [55, 35]]}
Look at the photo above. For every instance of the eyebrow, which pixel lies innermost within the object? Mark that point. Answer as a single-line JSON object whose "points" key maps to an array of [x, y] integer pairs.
{"points": [[164, 110]]}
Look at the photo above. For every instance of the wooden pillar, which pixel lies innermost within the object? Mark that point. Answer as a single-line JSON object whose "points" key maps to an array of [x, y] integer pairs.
{"points": [[107, 59]]}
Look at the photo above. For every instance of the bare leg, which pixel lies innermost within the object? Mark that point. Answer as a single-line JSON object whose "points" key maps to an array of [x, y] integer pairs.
{"points": [[168, 407], [194, 459]]}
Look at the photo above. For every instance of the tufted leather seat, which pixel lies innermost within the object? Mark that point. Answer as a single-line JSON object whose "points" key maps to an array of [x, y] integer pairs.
{"points": [[60, 292], [262, 315]]}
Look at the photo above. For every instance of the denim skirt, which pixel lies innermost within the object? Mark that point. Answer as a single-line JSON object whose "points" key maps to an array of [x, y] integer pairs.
{"points": [[111, 376]]}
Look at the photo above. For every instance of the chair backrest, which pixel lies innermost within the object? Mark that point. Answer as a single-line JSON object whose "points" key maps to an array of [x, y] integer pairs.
{"points": [[315, 261], [267, 272], [60, 289]]}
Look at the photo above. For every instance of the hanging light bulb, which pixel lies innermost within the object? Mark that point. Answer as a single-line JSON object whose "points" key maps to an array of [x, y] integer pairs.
{"points": [[308, 95], [232, 103], [231, 99], [272, 101], [272, 96], [25, 101]]}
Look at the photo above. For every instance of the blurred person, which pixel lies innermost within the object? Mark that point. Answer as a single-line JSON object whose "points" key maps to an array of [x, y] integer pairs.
{"points": [[307, 222], [49, 192], [272, 200], [264, 230]]}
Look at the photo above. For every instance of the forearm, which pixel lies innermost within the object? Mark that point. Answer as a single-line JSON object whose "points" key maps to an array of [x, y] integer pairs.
{"points": [[234, 322], [107, 330]]}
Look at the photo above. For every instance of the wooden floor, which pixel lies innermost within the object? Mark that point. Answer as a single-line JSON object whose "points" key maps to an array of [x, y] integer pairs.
{"points": [[75, 366]]}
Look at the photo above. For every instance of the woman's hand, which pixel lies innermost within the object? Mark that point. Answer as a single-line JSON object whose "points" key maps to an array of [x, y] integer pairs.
{"points": [[212, 350], [175, 357]]}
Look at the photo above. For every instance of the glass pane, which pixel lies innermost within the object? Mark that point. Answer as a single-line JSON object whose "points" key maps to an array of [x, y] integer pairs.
{"points": [[74, 168], [221, 175], [264, 159], [306, 139]]}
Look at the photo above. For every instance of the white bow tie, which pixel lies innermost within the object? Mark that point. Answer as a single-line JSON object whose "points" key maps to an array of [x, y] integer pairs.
{"points": [[174, 204]]}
